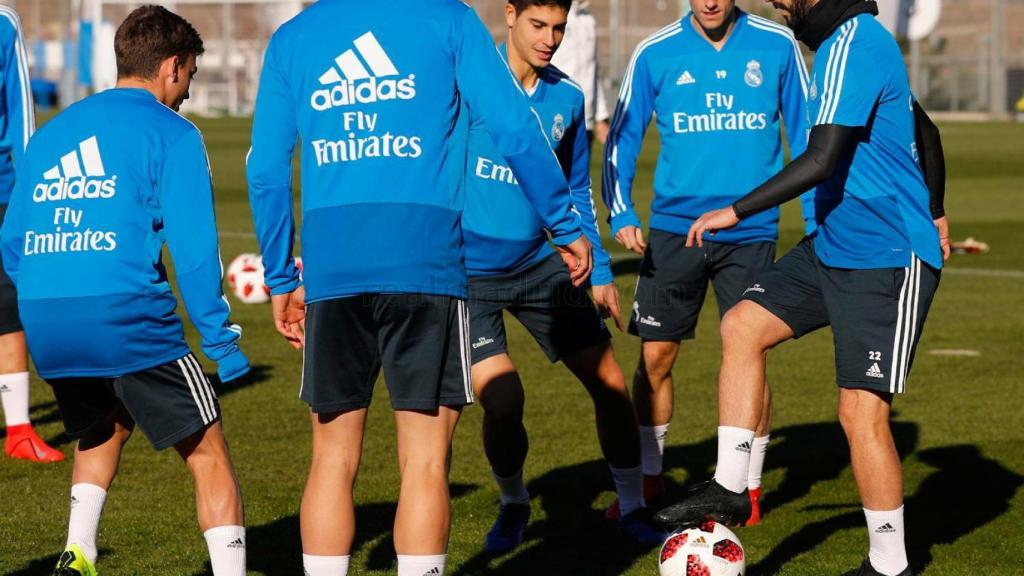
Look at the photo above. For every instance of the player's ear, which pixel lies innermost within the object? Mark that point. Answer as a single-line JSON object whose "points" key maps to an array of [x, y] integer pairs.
{"points": [[510, 14]]}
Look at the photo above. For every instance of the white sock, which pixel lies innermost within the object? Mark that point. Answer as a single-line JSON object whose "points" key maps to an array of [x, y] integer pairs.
{"points": [[421, 565], [14, 395], [652, 448], [629, 485], [227, 550], [86, 507], [888, 554], [759, 447], [325, 565], [512, 489], [734, 446]]}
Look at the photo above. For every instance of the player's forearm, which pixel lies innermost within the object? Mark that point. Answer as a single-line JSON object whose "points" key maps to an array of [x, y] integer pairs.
{"points": [[201, 291], [932, 159], [274, 223], [825, 147]]}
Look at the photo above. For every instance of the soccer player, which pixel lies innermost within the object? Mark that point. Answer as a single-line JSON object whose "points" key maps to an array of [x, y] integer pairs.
{"points": [[511, 267], [721, 83], [99, 192], [870, 270], [17, 120], [373, 90]]}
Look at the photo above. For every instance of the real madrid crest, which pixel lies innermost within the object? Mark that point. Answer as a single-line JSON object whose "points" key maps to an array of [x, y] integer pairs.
{"points": [[753, 76], [558, 128], [814, 90]]}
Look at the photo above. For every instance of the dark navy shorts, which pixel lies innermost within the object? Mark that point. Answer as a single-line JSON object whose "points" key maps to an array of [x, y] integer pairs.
{"points": [[9, 320]]}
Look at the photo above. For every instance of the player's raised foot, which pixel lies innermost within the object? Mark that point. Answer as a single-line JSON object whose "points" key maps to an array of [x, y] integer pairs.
{"points": [[654, 487], [508, 529], [866, 569], [755, 508], [72, 562], [707, 500], [637, 526], [22, 442]]}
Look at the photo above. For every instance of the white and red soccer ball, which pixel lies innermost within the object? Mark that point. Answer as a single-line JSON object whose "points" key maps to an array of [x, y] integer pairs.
{"points": [[245, 278], [709, 550]]}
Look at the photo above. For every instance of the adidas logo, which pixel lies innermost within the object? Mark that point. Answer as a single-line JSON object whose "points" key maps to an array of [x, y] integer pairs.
{"points": [[686, 78], [700, 542], [745, 447], [74, 501], [885, 529], [875, 371], [355, 78], [434, 570], [80, 174], [237, 543], [4, 389]]}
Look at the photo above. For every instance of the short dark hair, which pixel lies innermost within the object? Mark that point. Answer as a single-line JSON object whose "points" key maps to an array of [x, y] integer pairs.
{"points": [[150, 35], [521, 5]]}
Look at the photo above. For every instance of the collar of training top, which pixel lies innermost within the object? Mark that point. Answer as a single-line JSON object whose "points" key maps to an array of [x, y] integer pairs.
{"points": [[827, 15]]}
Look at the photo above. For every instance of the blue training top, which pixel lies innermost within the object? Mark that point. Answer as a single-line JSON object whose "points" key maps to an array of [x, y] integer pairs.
{"points": [[718, 114], [874, 211], [373, 90], [503, 231], [17, 118], [94, 204]]}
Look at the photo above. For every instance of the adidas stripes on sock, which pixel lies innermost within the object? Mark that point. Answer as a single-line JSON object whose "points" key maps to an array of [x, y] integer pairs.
{"points": [[86, 507], [227, 550], [512, 489], [652, 448], [757, 453], [14, 397], [629, 486], [421, 565], [325, 565], [734, 446], [888, 553]]}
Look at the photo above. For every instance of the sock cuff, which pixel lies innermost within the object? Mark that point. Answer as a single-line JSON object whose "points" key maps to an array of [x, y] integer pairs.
{"points": [[14, 378], [762, 439], [313, 561], [883, 512], [224, 531], [85, 489], [734, 430], [499, 477], [656, 428], [631, 470]]}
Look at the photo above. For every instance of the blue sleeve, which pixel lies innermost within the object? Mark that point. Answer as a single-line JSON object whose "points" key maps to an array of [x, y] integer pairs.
{"points": [[269, 173], [17, 91], [794, 115], [190, 227], [629, 124], [855, 83], [12, 235], [490, 90], [578, 173]]}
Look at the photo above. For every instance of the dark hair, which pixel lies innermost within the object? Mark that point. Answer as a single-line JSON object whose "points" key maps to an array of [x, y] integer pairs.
{"points": [[150, 35], [521, 5]]}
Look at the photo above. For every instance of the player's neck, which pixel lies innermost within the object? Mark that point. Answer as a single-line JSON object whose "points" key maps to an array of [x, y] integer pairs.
{"points": [[523, 70], [151, 86], [719, 36]]}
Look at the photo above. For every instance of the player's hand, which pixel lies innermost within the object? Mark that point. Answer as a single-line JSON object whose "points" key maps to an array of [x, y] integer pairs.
{"points": [[290, 316], [942, 224], [578, 258], [711, 222], [606, 297], [632, 238]]}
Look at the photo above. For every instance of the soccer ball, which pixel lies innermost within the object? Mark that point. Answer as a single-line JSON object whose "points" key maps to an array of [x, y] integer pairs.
{"points": [[710, 550], [245, 278]]}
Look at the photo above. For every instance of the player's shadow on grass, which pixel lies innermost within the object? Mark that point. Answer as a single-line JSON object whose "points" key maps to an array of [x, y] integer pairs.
{"points": [[257, 373], [276, 548], [37, 567], [626, 265], [983, 489]]}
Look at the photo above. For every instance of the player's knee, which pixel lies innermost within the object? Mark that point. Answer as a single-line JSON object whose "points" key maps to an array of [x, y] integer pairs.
{"points": [[656, 364]]}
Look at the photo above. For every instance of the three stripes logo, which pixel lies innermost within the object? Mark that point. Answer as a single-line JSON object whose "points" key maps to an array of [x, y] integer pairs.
{"points": [[686, 78], [744, 447], [885, 529], [364, 74], [79, 174], [237, 543], [432, 571], [875, 371]]}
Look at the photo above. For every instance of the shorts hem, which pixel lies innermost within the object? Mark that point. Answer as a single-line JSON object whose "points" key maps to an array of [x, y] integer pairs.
{"points": [[433, 404], [676, 337], [189, 429], [11, 328], [333, 407], [476, 359], [881, 386], [774, 311], [578, 347]]}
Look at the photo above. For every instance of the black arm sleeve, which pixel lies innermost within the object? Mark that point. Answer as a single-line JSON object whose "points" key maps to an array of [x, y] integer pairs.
{"points": [[826, 146], [933, 161]]}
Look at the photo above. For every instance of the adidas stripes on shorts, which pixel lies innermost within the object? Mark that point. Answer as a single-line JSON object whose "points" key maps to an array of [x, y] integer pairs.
{"points": [[169, 402], [877, 315]]}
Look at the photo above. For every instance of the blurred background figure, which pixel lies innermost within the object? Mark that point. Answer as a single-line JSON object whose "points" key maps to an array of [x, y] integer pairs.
{"points": [[577, 57]]}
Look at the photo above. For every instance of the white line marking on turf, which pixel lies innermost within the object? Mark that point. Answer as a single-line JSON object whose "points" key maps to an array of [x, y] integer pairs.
{"points": [[955, 352]]}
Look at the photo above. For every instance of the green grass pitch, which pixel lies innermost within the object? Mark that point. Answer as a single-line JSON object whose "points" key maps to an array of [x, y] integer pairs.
{"points": [[959, 429]]}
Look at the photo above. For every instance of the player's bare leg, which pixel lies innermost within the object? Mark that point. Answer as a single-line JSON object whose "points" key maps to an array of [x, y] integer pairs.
{"points": [[327, 517], [618, 434], [22, 441], [500, 392], [424, 509]]}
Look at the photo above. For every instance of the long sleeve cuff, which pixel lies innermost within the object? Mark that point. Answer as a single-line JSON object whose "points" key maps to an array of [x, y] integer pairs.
{"points": [[627, 218], [232, 366]]}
